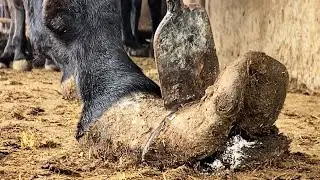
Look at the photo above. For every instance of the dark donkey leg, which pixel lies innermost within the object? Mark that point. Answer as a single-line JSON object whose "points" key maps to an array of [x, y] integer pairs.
{"points": [[127, 36], [8, 53], [7, 15], [135, 16], [130, 11], [2, 14], [20, 42], [156, 16]]}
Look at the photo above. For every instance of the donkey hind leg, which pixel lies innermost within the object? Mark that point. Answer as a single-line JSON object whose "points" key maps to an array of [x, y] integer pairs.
{"points": [[20, 61], [8, 53]]}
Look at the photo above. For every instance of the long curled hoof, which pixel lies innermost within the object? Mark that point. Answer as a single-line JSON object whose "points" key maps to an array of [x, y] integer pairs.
{"points": [[247, 97]]}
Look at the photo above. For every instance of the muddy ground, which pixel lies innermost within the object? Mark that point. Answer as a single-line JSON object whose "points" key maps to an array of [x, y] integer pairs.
{"points": [[37, 129]]}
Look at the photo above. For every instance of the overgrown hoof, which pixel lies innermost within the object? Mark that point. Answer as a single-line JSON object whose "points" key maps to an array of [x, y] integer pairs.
{"points": [[68, 89], [247, 97], [22, 65], [264, 92], [51, 67], [3, 66]]}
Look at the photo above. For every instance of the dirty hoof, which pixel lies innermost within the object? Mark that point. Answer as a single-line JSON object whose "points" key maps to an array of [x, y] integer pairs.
{"points": [[3, 66], [264, 93], [248, 96], [51, 67], [68, 89], [22, 65]]}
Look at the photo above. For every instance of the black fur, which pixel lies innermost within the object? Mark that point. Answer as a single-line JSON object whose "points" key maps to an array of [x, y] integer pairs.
{"points": [[84, 38], [18, 48], [91, 40], [42, 42]]}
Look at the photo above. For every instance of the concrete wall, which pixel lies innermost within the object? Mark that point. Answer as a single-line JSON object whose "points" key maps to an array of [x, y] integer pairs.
{"points": [[287, 30]]}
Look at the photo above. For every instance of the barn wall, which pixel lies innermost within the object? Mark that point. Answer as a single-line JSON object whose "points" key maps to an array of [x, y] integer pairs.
{"points": [[288, 30]]}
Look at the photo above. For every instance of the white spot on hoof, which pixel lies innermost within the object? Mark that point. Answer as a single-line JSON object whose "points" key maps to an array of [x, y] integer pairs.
{"points": [[234, 155], [51, 67], [22, 65], [3, 66], [216, 165]]}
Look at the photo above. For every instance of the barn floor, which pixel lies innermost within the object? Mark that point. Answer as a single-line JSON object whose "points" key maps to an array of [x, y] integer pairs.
{"points": [[37, 129]]}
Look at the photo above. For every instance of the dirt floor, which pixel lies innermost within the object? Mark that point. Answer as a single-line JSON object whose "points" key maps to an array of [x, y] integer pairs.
{"points": [[37, 129]]}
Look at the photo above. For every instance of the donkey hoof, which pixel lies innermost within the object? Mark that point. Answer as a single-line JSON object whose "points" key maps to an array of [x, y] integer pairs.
{"points": [[22, 65], [51, 67]]}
